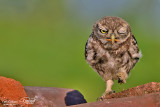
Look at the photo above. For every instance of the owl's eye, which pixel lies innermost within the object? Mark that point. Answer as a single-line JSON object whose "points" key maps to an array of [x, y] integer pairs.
{"points": [[122, 30], [103, 31]]}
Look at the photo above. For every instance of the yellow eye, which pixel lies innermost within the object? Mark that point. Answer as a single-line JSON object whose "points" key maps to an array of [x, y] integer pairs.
{"points": [[103, 31]]}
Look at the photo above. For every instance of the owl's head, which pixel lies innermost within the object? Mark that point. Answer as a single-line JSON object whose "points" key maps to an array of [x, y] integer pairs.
{"points": [[111, 31]]}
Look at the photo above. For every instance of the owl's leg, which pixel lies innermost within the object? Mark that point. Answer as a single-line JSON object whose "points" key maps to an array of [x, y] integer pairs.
{"points": [[108, 91], [109, 84], [122, 77]]}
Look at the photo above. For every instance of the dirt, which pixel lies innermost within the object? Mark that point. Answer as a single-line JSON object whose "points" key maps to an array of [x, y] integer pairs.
{"points": [[12, 93], [137, 91]]}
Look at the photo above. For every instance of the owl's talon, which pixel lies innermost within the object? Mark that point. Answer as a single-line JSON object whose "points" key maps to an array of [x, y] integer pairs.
{"points": [[99, 99], [122, 76], [120, 81], [106, 93]]}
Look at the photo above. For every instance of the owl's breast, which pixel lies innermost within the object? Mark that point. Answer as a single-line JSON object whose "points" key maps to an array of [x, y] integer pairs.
{"points": [[111, 63], [105, 62]]}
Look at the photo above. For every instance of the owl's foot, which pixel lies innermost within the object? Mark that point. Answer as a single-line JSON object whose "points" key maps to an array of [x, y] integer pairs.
{"points": [[106, 93], [122, 76]]}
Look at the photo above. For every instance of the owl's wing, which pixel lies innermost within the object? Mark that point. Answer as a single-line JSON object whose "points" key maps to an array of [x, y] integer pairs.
{"points": [[86, 50], [134, 50], [86, 46], [134, 53]]}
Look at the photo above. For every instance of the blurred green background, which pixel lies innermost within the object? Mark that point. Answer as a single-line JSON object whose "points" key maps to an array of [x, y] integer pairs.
{"points": [[42, 42]]}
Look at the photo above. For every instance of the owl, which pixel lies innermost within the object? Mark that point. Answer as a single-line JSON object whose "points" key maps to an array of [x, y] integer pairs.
{"points": [[112, 51]]}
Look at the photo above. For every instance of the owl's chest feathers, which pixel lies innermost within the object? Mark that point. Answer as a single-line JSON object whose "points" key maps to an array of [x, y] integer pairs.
{"points": [[106, 60], [110, 59]]}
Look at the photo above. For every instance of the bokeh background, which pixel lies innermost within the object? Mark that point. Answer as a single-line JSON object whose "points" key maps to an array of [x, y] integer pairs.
{"points": [[42, 42]]}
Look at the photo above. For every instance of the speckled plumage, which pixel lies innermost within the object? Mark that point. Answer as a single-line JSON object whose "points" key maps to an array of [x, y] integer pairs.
{"points": [[112, 60]]}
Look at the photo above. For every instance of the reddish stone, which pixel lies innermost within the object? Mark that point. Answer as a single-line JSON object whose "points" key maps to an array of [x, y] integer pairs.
{"points": [[11, 93], [137, 91]]}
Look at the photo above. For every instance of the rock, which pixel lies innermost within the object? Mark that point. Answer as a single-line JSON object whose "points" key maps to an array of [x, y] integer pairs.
{"points": [[147, 95], [12, 93], [149, 100], [137, 91], [54, 97]]}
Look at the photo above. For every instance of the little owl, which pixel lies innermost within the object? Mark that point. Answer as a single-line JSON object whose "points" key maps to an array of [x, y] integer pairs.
{"points": [[112, 50]]}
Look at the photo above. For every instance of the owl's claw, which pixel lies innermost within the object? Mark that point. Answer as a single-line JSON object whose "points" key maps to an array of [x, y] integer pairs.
{"points": [[106, 93], [120, 81], [99, 99], [122, 76]]}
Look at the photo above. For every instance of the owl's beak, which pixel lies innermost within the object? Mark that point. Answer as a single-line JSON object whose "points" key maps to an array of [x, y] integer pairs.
{"points": [[112, 38]]}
